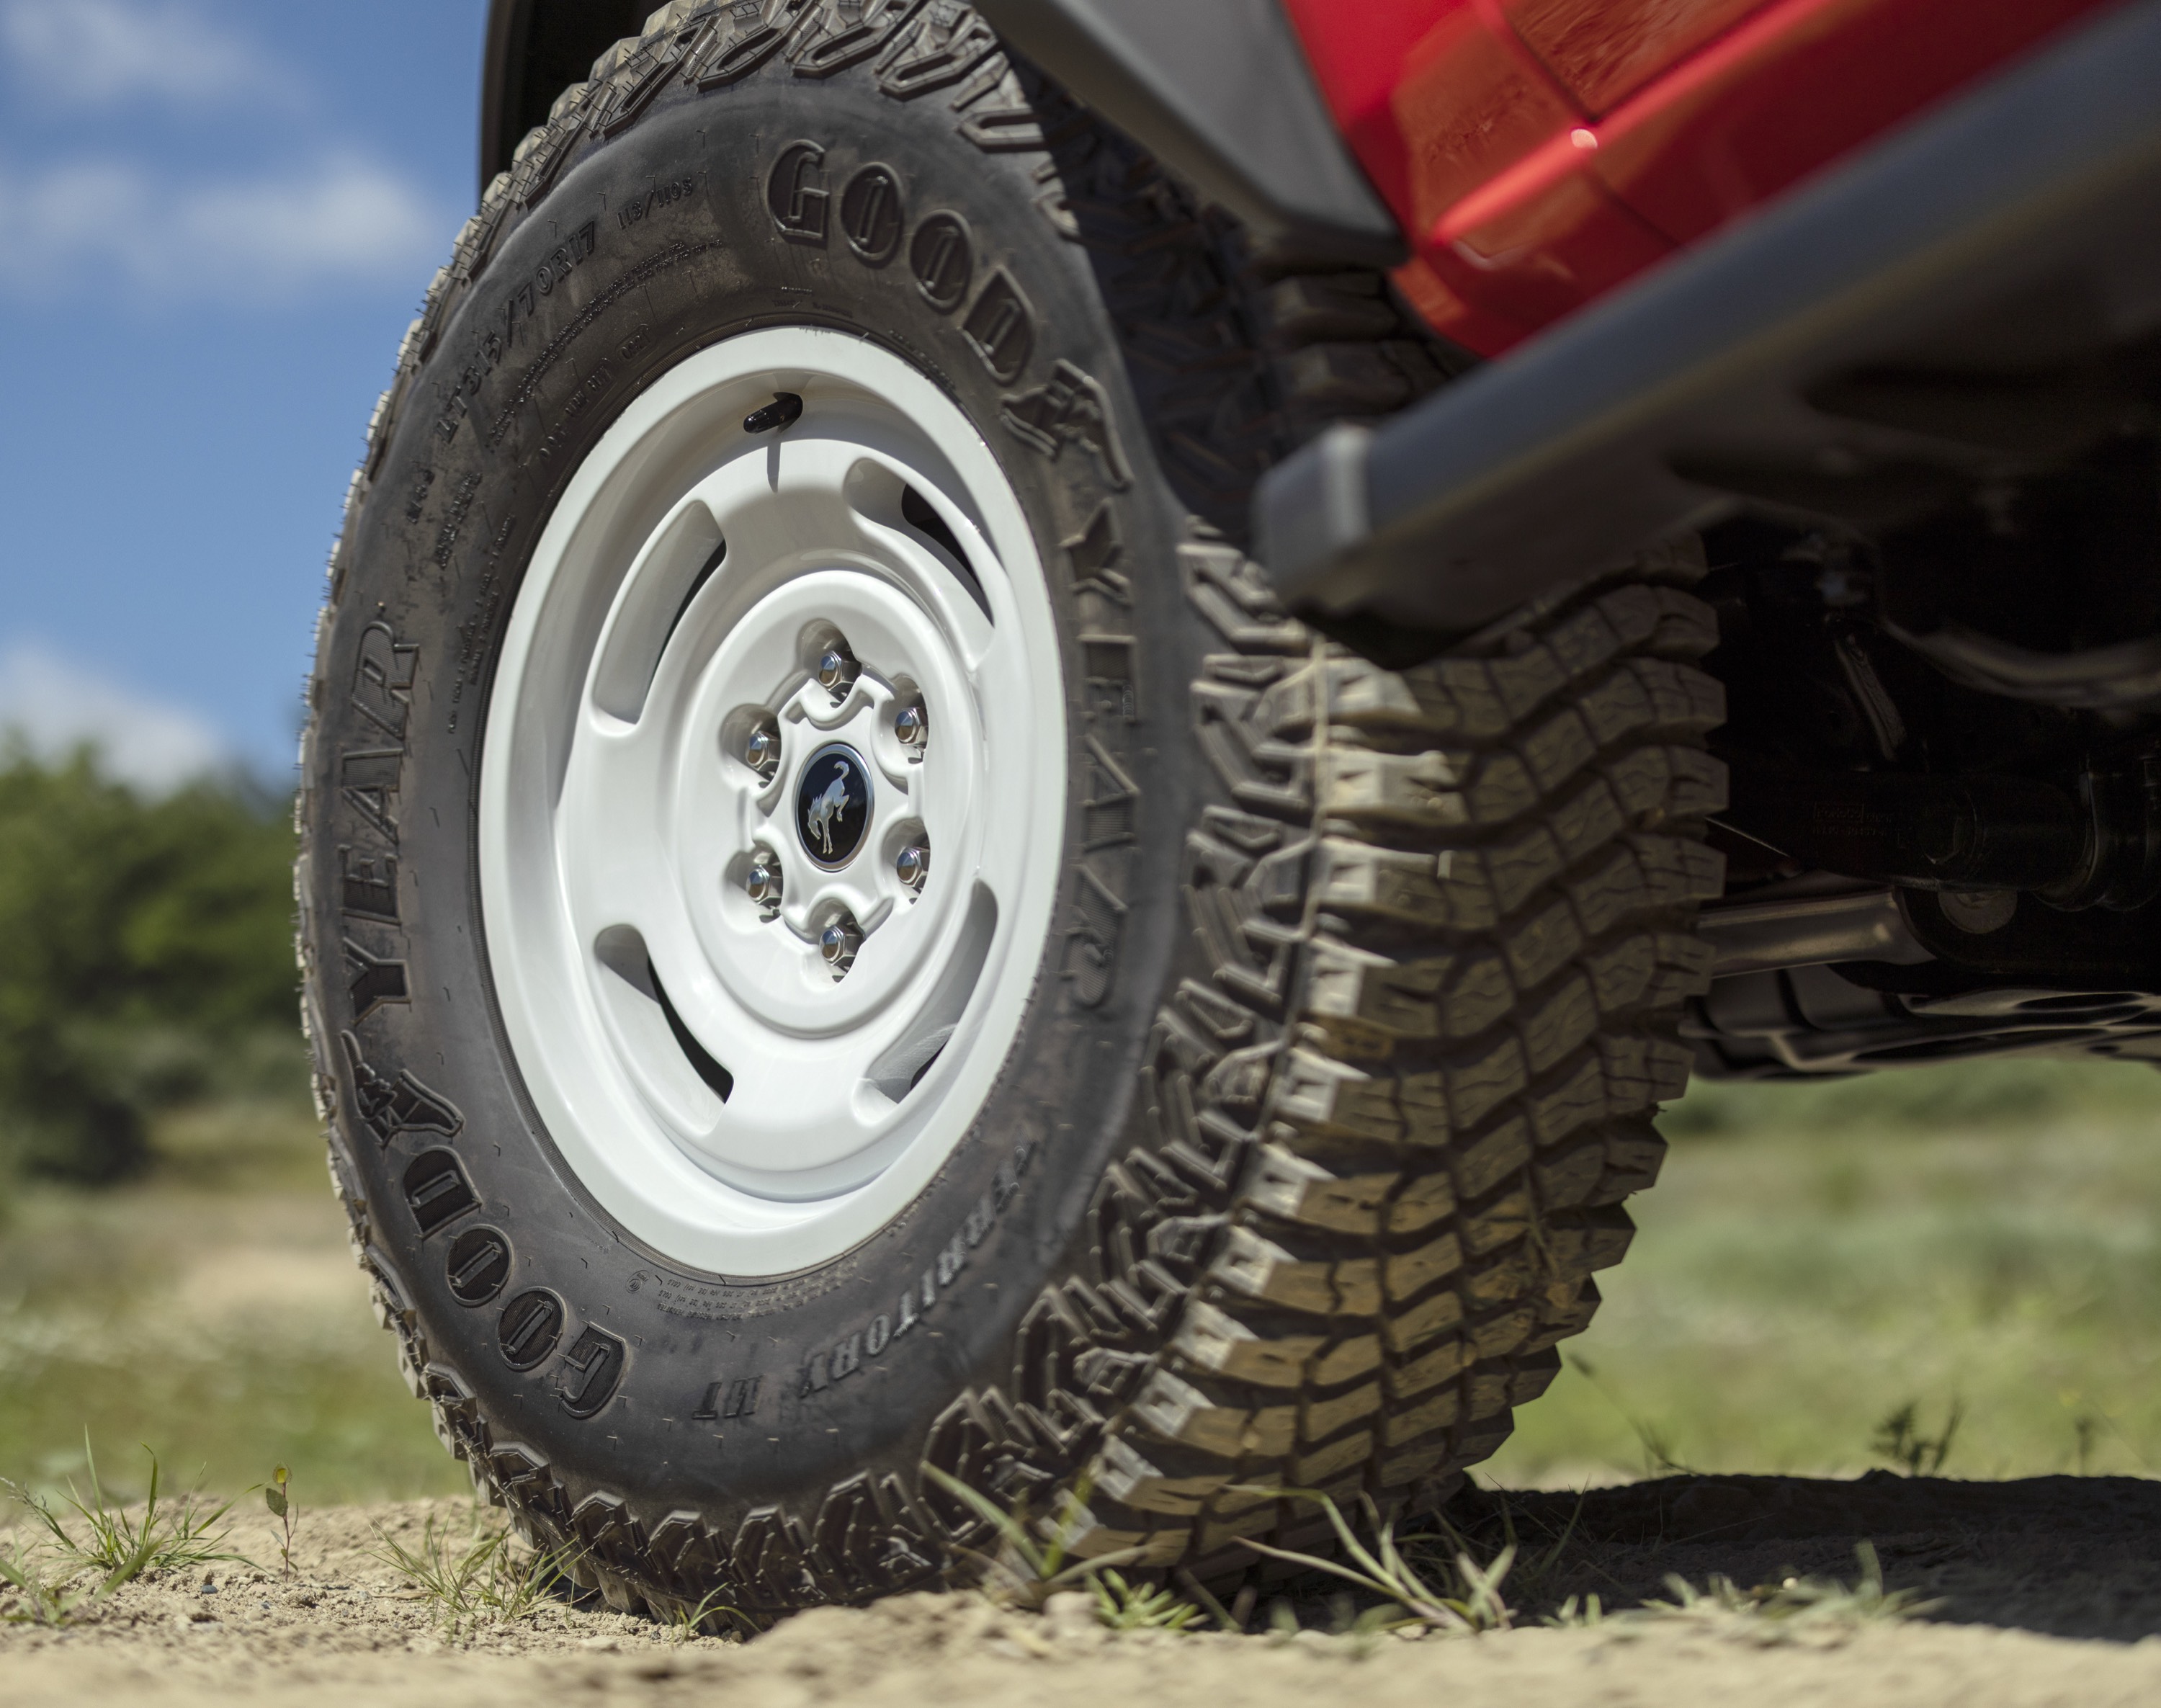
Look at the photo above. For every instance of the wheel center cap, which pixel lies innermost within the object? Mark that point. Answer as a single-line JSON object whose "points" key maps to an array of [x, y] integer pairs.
{"points": [[833, 805]]}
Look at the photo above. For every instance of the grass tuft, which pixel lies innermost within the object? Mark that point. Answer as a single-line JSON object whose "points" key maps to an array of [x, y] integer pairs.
{"points": [[687, 1619], [1028, 1570], [1124, 1606], [123, 1543], [483, 1582], [38, 1599], [1583, 1613], [1774, 1613], [1898, 1439], [1530, 1570], [1472, 1604]]}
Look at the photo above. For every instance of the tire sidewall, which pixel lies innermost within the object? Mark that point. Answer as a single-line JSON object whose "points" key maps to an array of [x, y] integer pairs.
{"points": [[703, 220]]}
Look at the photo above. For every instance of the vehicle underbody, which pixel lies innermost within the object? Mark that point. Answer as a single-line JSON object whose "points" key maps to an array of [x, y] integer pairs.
{"points": [[1929, 852]]}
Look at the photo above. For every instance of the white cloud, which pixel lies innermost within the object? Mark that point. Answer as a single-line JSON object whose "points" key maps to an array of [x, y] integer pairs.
{"points": [[343, 220], [99, 53], [56, 705]]}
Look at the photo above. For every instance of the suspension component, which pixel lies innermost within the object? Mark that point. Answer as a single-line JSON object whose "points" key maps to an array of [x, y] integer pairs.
{"points": [[1930, 832], [2098, 846]]}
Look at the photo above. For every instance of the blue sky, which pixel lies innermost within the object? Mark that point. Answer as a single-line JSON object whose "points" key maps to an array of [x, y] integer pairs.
{"points": [[216, 218]]}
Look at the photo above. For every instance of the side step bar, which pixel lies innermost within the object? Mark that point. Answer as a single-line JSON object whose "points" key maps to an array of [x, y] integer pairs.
{"points": [[1864, 348]]}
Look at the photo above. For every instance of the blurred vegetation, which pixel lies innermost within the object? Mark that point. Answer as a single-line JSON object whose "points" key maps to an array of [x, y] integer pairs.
{"points": [[174, 1269], [210, 1307], [1958, 1096], [1979, 1242], [1959, 1263], [146, 960], [1827, 1276]]}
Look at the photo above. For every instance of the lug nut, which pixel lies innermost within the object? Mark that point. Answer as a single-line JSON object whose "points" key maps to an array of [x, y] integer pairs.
{"points": [[838, 944], [911, 726], [761, 751], [837, 670], [763, 881], [912, 865]]}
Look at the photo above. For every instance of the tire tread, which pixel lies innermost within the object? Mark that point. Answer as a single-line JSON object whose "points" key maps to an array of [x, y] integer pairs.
{"points": [[1446, 913]]}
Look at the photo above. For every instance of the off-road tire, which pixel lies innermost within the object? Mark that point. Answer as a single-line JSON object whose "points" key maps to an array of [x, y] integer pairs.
{"points": [[1363, 988]]}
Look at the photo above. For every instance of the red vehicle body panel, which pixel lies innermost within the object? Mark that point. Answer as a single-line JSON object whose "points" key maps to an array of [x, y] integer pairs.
{"points": [[1538, 153]]}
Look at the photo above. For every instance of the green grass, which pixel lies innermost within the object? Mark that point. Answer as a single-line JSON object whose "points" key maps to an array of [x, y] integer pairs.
{"points": [[1984, 1238], [487, 1580], [122, 1541], [210, 1311], [1815, 1259]]}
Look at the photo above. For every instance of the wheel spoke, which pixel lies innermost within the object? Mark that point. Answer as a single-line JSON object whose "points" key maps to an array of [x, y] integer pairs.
{"points": [[611, 854], [966, 621], [796, 1111], [667, 570], [790, 505]]}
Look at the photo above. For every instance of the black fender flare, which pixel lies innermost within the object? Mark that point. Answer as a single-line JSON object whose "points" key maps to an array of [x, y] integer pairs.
{"points": [[1217, 89], [536, 50]]}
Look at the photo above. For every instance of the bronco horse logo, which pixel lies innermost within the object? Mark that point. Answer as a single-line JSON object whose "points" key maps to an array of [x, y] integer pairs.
{"points": [[827, 808]]}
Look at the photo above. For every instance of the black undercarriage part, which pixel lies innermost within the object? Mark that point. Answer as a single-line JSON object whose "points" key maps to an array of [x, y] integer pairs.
{"points": [[1809, 1020], [1810, 922], [1818, 975], [1941, 842], [1878, 916], [1944, 831], [2098, 846], [1936, 832], [2100, 678]]}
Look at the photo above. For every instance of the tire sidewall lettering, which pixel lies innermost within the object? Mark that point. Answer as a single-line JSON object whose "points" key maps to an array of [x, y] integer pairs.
{"points": [[459, 552]]}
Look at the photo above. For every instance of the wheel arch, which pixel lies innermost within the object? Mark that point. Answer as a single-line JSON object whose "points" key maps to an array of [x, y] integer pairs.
{"points": [[1217, 88], [535, 49]]}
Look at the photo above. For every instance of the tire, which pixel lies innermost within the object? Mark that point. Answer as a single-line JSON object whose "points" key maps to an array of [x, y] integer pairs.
{"points": [[1347, 997]]}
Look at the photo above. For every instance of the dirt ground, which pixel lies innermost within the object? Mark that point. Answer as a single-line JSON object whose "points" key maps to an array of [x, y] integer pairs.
{"points": [[2050, 1591]]}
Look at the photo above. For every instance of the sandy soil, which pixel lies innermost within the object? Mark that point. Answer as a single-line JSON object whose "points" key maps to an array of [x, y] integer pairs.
{"points": [[2051, 1588]]}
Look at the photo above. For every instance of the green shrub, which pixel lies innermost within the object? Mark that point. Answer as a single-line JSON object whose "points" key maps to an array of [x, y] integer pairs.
{"points": [[145, 957]]}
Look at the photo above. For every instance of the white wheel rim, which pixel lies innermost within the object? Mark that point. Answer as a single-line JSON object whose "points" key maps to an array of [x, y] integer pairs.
{"points": [[619, 820]]}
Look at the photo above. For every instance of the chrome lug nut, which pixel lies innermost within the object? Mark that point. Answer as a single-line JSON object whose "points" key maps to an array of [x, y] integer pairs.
{"points": [[911, 726], [837, 670], [762, 750], [761, 882], [912, 865], [838, 944]]}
